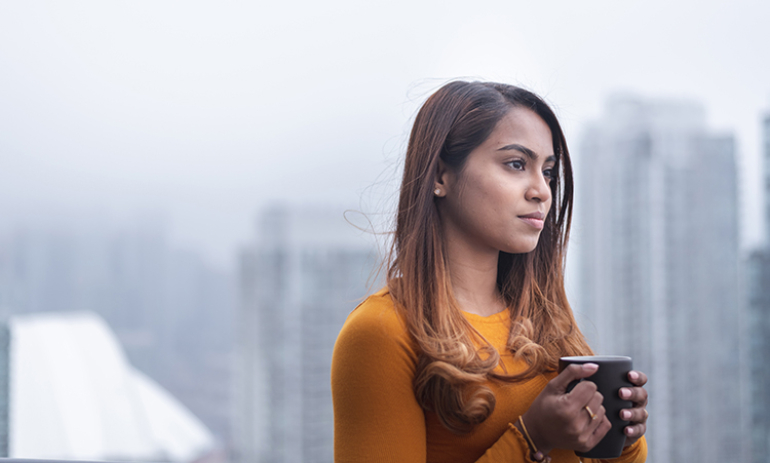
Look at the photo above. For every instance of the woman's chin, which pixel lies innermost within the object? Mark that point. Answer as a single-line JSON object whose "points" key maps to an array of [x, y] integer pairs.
{"points": [[521, 248]]}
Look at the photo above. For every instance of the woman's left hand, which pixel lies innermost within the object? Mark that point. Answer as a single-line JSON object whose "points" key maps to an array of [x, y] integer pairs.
{"points": [[637, 415]]}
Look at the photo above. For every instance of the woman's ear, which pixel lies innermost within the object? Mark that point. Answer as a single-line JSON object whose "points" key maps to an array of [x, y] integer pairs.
{"points": [[443, 181]]}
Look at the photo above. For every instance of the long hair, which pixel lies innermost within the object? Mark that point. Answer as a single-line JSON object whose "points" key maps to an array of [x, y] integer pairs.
{"points": [[451, 369]]}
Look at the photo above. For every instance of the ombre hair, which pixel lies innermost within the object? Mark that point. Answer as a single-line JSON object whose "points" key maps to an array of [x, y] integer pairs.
{"points": [[455, 360]]}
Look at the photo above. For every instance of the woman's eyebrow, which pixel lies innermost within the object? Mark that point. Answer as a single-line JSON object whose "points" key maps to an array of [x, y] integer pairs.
{"points": [[524, 150]]}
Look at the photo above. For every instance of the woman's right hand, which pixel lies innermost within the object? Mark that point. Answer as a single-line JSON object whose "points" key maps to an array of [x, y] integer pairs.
{"points": [[560, 419]]}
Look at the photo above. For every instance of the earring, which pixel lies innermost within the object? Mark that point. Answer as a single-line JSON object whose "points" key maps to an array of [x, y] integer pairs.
{"points": [[437, 191]]}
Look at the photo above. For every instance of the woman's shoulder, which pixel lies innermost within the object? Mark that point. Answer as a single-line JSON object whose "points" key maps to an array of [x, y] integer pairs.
{"points": [[376, 323], [376, 315]]}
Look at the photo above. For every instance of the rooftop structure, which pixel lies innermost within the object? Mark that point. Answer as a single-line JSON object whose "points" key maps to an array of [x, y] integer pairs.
{"points": [[73, 395]]}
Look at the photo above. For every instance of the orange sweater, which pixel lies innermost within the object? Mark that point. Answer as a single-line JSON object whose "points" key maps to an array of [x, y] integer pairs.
{"points": [[377, 418]]}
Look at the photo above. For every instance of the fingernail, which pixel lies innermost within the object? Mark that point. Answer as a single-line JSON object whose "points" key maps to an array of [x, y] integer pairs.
{"points": [[633, 375], [624, 393], [630, 431], [625, 414], [590, 366]]}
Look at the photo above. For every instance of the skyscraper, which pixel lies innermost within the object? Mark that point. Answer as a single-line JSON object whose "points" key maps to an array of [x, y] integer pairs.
{"points": [[659, 245], [306, 272], [758, 295]]}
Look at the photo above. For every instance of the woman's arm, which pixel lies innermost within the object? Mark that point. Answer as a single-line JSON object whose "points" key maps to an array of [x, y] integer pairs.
{"points": [[376, 416]]}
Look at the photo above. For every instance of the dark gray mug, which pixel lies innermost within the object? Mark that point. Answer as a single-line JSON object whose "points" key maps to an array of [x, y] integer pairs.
{"points": [[609, 378]]}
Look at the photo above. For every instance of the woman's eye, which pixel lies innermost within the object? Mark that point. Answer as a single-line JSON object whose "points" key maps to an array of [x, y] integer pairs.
{"points": [[517, 164], [549, 174]]}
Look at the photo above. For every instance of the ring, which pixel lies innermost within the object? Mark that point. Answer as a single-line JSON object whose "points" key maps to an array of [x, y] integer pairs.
{"points": [[590, 413], [646, 414]]}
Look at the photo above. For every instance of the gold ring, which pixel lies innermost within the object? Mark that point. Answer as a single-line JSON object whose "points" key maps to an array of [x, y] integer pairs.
{"points": [[590, 413]]}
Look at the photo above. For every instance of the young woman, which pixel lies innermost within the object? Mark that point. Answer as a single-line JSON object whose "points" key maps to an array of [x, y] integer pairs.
{"points": [[455, 360]]}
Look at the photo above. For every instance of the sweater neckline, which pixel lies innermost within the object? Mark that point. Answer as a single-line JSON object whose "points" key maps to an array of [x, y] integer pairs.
{"points": [[498, 317], [502, 316]]}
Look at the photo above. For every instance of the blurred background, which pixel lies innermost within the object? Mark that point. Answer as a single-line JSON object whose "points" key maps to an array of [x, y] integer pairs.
{"points": [[194, 195]]}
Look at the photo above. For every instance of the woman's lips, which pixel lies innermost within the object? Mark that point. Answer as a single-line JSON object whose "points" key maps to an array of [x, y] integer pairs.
{"points": [[536, 223]]}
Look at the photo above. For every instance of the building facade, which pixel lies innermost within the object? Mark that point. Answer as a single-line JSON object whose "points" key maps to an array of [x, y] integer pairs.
{"points": [[758, 302], [658, 227], [306, 272]]}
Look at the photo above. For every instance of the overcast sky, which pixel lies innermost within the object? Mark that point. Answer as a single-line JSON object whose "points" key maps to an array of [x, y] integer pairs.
{"points": [[193, 115]]}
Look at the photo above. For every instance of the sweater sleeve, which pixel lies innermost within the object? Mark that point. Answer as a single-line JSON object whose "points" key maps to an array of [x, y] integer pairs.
{"points": [[636, 453], [377, 418], [376, 415]]}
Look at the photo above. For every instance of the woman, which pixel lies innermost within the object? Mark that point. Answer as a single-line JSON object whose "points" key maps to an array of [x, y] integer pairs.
{"points": [[455, 360]]}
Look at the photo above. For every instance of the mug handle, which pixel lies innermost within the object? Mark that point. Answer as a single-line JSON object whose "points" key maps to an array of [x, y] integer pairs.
{"points": [[574, 383]]}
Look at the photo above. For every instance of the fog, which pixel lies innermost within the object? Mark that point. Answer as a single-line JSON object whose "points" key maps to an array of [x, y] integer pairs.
{"points": [[192, 116]]}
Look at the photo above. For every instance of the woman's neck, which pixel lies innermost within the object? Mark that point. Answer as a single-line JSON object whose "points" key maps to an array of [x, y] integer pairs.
{"points": [[474, 279]]}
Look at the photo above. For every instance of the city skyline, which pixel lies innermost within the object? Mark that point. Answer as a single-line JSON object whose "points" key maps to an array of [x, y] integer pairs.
{"points": [[148, 150], [137, 258]]}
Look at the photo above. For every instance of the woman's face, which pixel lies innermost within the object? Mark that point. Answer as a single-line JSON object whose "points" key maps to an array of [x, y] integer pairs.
{"points": [[499, 199]]}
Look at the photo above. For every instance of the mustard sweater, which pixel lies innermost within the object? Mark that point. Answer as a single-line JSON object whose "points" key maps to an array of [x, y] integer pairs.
{"points": [[377, 418]]}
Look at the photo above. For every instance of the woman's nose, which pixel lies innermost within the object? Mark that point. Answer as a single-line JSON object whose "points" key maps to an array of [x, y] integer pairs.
{"points": [[539, 189]]}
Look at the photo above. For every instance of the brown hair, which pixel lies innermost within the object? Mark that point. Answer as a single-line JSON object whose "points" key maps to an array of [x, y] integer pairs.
{"points": [[451, 369]]}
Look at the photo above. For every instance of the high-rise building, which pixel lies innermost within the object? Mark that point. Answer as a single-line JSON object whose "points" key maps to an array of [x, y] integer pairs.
{"points": [[658, 229], [306, 272], [758, 295]]}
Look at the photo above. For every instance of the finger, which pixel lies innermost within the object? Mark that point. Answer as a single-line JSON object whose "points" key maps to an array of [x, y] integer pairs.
{"points": [[637, 395], [636, 430], [582, 394], [571, 373], [594, 412], [637, 378], [637, 415], [599, 433]]}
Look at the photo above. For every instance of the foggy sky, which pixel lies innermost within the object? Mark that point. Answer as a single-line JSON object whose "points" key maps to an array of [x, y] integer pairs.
{"points": [[193, 115]]}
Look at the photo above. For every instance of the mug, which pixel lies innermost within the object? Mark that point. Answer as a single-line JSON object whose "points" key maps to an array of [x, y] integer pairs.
{"points": [[609, 378]]}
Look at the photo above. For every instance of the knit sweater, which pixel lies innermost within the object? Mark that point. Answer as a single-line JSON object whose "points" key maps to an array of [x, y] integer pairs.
{"points": [[377, 418]]}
